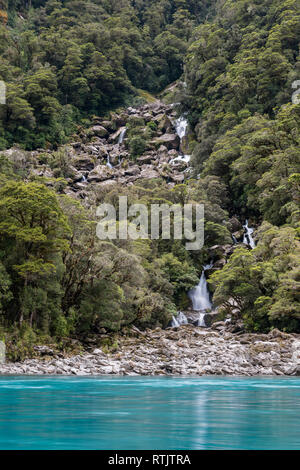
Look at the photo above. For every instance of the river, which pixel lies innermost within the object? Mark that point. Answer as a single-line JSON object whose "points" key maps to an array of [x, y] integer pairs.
{"points": [[132, 413]]}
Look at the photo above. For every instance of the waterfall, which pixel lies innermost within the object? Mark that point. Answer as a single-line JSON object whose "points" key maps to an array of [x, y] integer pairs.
{"points": [[248, 239], [201, 321], [108, 161], [179, 320], [181, 126], [200, 297], [234, 239], [122, 136], [181, 158], [83, 179], [174, 323]]}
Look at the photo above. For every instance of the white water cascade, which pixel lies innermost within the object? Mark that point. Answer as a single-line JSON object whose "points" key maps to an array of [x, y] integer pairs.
{"points": [[174, 323], [200, 298], [248, 239], [181, 126], [108, 161], [122, 136], [179, 320]]}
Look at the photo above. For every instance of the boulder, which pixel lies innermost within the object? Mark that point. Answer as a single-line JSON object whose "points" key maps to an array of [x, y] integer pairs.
{"points": [[145, 159], [177, 178], [147, 117], [173, 153], [132, 170], [108, 183], [42, 171], [114, 158], [165, 125], [108, 125], [179, 165], [171, 141], [149, 173], [84, 162], [162, 149], [98, 131], [220, 263], [234, 225], [19, 157], [97, 150], [100, 173], [239, 235]]}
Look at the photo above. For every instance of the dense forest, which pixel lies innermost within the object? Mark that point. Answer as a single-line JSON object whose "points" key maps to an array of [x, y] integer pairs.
{"points": [[65, 63]]}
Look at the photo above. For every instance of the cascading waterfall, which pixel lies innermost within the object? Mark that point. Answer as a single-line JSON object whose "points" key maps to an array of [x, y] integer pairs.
{"points": [[122, 136], [179, 320], [234, 239], [108, 161], [248, 239], [200, 297], [181, 126], [174, 323]]}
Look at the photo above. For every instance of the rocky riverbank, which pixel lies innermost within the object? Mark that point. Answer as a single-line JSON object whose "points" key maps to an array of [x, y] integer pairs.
{"points": [[186, 350]]}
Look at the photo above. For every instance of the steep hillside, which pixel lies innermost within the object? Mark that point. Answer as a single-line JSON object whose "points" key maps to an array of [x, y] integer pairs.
{"points": [[165, 102], [64, 61]]}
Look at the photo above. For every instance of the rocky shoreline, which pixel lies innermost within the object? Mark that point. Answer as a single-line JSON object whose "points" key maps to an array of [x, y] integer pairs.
{"points": [[187, 350]]}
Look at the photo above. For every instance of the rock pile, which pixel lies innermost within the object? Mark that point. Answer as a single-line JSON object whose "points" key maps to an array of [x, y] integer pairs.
{"points": [[100, 156], [181, 351]]}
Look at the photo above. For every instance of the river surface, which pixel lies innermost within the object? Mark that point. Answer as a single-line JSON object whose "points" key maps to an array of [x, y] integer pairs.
{"points": [[132, 413]]}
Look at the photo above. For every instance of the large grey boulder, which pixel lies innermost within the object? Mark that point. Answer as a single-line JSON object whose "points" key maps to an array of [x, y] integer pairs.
{"points": [[171, 141], [149, 173], [145, 159], [133, 170], [100, 173], [99, 131], [84, 162]]}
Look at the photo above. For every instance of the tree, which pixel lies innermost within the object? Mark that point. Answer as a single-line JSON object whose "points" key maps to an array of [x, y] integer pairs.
{"points": [[33, 232]]}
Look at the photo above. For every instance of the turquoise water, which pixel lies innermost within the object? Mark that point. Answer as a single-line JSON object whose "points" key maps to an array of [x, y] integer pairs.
{"points": [[149, 413]]}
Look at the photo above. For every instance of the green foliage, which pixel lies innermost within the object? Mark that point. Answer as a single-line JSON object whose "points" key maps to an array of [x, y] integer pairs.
{"points": [[33, 234], [262, 285], [181, 275], [136, 146], [65, 60]]}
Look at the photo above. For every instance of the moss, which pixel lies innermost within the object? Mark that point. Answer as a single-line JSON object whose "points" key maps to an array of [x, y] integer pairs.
{"points": [[147, 96]]}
